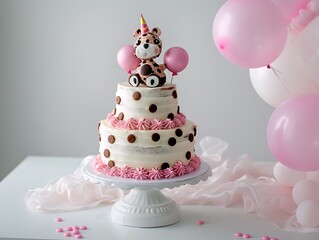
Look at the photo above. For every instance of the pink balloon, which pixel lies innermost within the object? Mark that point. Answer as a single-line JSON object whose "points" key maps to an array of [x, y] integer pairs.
{"points": [[127, 59], [250, 33], [293, 133], [176, 59], [290, 8]]}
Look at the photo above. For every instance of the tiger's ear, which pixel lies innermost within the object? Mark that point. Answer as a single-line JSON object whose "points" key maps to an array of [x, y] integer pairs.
{"points": [[156, 31], [137, 33]]}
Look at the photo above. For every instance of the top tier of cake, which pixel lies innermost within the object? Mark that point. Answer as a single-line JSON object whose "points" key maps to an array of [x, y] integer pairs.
{"points": [[146, 103]]}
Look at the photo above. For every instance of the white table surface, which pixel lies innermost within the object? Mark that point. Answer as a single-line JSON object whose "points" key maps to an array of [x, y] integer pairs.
{"points": [[18, 222]]}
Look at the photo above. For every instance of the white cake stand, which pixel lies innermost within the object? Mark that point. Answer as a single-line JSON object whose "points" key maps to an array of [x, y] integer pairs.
{"points": [[145, 205]]}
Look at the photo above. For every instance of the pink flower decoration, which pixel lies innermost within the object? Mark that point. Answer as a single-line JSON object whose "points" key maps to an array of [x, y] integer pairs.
{"points": [[110, 116], [197, 161], [182, 117], [155, 173], [168, 173], [115, 171], [140, 174], [144, 124], [99, 165], [168, 124], [191, 167], [179, 168], [115, 122], [194, 163], [156, 124], [177, 122], [127, 172], [131, 124]]}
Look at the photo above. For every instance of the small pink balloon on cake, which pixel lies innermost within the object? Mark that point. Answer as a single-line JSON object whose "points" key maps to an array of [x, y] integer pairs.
{"points": [[146, 137]]}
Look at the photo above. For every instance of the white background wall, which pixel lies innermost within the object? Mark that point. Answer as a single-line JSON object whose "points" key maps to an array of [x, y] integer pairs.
{"points": [[58, 75]]}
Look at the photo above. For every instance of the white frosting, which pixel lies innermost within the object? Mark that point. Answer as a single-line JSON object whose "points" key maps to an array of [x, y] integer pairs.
{"points": [[162, 97], [145, 152]]}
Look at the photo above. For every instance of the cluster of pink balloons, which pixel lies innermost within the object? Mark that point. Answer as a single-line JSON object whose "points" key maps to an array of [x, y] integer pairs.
{"points": [[284, 70], [175, 59], [253, 34]]}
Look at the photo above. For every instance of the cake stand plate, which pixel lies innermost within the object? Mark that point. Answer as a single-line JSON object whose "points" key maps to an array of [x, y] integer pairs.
{"points": [[145, 205]]}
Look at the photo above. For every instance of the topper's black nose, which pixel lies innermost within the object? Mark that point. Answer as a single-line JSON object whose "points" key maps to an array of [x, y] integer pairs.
{"points": [[145, 45]]}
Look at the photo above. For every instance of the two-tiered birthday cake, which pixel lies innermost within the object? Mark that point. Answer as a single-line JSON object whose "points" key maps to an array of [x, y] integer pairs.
{"points": [[146, 136]]}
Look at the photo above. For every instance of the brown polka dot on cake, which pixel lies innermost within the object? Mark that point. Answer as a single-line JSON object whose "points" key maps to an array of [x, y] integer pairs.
{"points": [[191, 137], [188, 155], [174, 94], [120, 116], [106, 153], [164, 165], [179, 132], [152, 108], [131, 138], [118, 99], [111, 139], [172, 141], [136, 96], [111, 163], [170, 116], [156, 137]]}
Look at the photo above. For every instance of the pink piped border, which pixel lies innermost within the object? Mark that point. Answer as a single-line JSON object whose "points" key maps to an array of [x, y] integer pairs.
{"points": [[179, 169], [146, 124]]}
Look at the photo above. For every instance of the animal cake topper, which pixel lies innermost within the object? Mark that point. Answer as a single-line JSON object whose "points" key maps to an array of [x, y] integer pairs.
{"points": [[140, 58]]}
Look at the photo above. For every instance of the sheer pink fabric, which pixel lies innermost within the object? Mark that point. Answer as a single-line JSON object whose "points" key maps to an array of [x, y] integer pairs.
{"points": [[233, 181]]}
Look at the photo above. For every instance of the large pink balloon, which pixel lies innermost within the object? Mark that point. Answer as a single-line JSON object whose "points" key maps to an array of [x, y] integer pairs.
{"points": [[250, 33], [176, 59], [127, 59], [293, 133]]}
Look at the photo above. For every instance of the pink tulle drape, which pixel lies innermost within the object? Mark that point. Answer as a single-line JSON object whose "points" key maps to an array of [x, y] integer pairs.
{"points": [[233, 181]]}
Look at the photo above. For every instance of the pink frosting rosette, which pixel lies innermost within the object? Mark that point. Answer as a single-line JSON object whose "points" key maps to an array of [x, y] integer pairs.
{"points": [[127, 172], [155, 174], [179, 168], [115, 171], [177, 122], [140, 174], [168, 124], [168, 173], [99, 166], [156, 124], [115, 122], [131, 124], [182, 117], [143, 124], [191, 167]]}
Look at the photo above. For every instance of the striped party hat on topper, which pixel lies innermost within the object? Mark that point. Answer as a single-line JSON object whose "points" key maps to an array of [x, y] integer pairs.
{"points": [[144, 27]]}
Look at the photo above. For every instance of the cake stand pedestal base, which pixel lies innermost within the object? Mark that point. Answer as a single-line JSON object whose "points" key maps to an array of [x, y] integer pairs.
{"points": [[145, 205], [145, 208]]}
